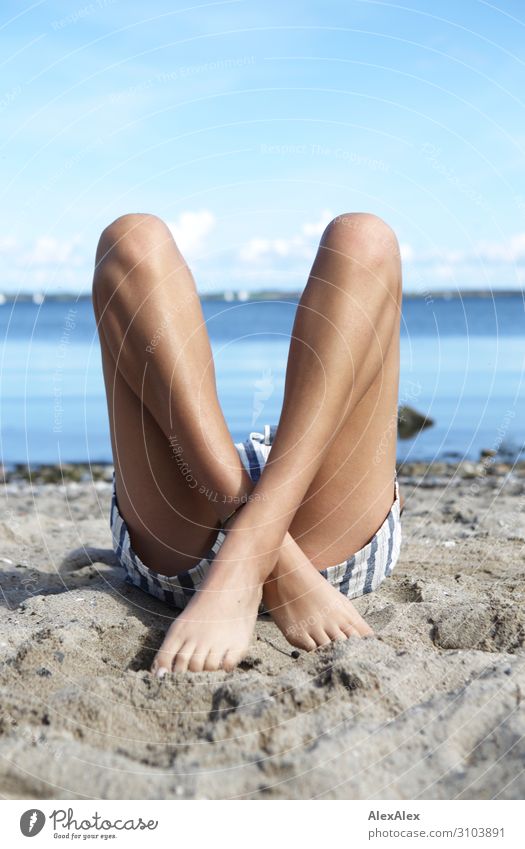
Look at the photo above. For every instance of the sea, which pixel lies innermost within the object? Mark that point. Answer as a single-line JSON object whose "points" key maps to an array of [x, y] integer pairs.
{"points": [[462, 366]]}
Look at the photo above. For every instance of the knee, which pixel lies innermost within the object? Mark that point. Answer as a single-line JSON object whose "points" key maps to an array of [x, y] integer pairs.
{"points": [[131, 238], [364, 238]]}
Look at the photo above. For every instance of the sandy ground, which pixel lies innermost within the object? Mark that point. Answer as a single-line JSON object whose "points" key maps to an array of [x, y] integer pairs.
{"points": [[432, 708]]}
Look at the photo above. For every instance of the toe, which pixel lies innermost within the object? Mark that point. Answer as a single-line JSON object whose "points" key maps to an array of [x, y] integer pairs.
{"points": [[338, 633], [321, 638], [363, 628], [231, 659], [163, 660], [305, 642], [213, 661], [196, 661], [350, 630], [183, 657]]}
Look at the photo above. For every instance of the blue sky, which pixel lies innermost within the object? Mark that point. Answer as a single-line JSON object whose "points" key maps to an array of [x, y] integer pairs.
{"points": [[246, 125]]}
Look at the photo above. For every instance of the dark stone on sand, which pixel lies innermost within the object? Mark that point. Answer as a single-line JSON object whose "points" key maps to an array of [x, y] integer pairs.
{"points": [[487, 452], [43, 672], [410, 422]]}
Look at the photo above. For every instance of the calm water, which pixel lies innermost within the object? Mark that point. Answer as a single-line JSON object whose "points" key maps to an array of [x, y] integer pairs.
{"points": [[462, 363]]}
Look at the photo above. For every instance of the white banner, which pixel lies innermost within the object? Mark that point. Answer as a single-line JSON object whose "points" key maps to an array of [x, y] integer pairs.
{"points": [[253, 824]]}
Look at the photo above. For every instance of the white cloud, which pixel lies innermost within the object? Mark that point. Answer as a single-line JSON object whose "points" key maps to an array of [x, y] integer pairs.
{"points": [[299, 245], [191, 228], [50, 251], [316, 228], [255, 249], [33, 279], [444, 272], [46, 261], [506, 252], [8, 244], [509, 251], [407, 252]]}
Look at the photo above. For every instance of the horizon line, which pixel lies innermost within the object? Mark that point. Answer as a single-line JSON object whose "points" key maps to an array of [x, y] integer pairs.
{"points": [[38, 296]]}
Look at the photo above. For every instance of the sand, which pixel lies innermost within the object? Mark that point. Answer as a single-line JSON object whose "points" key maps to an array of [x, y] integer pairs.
{"points": [[433, 708]]}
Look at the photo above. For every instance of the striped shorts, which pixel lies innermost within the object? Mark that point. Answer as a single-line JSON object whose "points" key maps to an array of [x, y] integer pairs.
{"points": [[362, 573]]}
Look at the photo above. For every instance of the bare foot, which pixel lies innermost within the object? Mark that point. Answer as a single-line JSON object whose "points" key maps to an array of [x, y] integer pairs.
{"points": [[215, 630], [308, 610]]}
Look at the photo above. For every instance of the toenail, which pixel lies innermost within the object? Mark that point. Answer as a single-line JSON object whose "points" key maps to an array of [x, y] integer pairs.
{"points": [[161, 672]]}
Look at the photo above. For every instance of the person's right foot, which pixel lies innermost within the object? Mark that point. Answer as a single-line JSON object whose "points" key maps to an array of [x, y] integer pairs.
{"points": [[308, 610]]}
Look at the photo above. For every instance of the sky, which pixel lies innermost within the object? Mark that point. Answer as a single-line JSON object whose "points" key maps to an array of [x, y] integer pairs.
{"points": [[248, 125]]}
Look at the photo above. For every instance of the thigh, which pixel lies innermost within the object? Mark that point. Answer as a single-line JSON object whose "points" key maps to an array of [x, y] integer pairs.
{"points": [[171, 524], [353, 490]]}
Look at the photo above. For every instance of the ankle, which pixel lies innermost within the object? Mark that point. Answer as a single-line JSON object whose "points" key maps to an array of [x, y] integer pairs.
{"points": [[264, 530]]}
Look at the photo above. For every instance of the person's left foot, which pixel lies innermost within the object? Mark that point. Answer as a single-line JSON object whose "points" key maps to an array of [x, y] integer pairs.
{"points": [[308, 610]]}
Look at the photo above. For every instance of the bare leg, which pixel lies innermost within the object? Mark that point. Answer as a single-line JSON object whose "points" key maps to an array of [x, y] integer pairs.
{"points": [[153, 335], [150, 321], [352, 491], [344, 349]]}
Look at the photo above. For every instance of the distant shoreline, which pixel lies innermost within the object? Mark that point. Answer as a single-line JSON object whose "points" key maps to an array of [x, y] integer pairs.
{"points": [[230, 296], [83, 472]]}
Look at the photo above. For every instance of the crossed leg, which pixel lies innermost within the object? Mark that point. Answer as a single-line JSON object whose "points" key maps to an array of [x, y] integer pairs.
{"points": [[322, 481], [347, 327]]}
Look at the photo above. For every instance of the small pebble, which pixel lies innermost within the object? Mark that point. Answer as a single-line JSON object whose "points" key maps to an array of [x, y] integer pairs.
{"points": [[295, 654], [43, 672]]}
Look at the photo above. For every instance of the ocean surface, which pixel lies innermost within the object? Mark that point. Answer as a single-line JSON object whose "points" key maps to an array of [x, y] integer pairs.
{"points": [[462, 364]]}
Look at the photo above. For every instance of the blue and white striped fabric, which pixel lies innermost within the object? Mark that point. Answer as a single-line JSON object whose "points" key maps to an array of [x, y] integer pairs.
{"points": [[360, 574]]}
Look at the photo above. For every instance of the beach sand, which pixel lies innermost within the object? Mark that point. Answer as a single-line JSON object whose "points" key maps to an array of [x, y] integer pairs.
{"points": [[433, 707]]}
